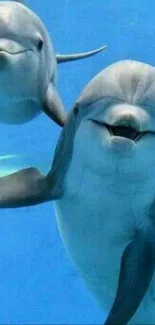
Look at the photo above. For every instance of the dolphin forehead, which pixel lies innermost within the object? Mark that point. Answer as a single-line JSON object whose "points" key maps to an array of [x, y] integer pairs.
{"points": [[21, 25], [127, 80], [17, 19]]}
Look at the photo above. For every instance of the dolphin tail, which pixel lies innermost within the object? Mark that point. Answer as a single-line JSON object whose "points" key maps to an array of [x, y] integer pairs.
{"points": [[77, 56]]}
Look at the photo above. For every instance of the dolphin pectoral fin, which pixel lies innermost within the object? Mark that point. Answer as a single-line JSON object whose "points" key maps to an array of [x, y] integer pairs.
{"points": [[77, 56], [24, 188], [53, 106], [136, 271]]}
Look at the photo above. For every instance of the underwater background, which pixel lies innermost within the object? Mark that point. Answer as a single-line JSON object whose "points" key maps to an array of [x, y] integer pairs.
{"points": [[38, 282]]}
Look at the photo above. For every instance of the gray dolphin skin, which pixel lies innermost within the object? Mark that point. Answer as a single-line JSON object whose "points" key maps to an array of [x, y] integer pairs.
{"points": [[28, 66], [101, 181]]}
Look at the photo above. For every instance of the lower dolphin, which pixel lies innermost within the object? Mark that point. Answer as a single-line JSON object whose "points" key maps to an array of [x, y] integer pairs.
{"points": [[102, 183]]}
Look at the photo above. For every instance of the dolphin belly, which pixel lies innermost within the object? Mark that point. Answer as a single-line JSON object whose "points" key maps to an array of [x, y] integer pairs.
{"points": [[93, 247], [95, 233]]}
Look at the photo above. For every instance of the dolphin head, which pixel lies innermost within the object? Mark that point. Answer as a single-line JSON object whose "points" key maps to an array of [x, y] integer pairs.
{"points": [[111, 129], [27, 66]]}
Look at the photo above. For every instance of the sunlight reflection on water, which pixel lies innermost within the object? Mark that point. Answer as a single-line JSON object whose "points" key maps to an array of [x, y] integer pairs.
{"points": [[14, 162]]}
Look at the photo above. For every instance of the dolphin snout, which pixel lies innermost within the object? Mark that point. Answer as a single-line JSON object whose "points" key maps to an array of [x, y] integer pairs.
{"points": [[127, 120], [126, 115], [126, 125]]}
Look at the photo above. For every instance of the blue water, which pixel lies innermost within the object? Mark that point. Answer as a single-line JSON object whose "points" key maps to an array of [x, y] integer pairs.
{"points": [[38, 283]]}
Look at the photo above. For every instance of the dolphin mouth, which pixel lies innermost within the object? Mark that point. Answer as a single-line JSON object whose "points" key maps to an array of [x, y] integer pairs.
{"points": [[125, 131], [14, 52]]}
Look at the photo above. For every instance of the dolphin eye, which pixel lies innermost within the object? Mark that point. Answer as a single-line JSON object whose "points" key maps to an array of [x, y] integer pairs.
{"points": [[40, 45]]}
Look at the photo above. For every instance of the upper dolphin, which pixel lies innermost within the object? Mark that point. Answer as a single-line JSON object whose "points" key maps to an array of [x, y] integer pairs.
{"points": [[28, 65]]}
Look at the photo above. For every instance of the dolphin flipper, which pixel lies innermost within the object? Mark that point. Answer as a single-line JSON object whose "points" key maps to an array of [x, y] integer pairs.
{"points": [[136, 271], [77, 56], [24, 188], [53, 106]]}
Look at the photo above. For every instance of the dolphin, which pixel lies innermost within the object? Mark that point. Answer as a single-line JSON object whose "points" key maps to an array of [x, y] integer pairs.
{"points": [[28, 66], [103, 187]]}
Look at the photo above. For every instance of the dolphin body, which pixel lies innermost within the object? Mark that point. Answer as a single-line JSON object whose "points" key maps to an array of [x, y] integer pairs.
{"points": [[28, 66], [101, 181]]}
